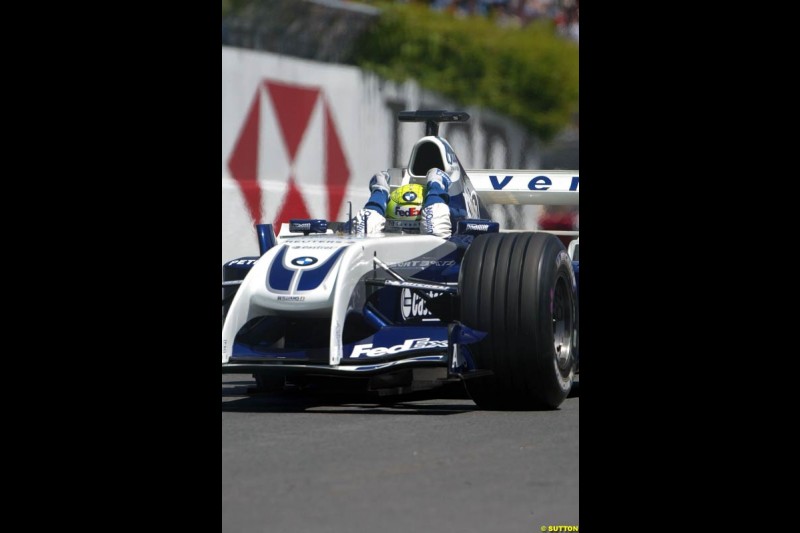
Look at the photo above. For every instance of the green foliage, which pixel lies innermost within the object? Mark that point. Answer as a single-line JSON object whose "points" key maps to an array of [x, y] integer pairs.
{"points": [[232, 6], [529, 74]]}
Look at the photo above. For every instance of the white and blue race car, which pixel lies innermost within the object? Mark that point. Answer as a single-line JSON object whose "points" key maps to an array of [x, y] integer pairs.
{"points": [[398, 311]]}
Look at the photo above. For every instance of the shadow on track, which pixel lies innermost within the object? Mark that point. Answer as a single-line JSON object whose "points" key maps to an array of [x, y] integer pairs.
{"points": [[296, 401], [244, 398]]}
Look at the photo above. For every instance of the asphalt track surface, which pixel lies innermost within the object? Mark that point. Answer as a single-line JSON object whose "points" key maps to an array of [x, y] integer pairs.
{"points": [[296, 462]]}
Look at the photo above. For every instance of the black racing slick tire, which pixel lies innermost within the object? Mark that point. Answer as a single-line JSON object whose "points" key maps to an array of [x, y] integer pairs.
{"points": [[520, 288]]}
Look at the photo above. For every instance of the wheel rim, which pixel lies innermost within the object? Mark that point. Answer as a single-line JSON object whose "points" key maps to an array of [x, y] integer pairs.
{"points": [[562, 325]]}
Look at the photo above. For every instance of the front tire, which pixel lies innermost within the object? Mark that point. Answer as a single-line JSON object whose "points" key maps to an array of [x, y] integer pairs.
{"points": [[520, 288]]}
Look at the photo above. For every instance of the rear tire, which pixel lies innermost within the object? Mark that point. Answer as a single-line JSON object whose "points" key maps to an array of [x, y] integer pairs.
{"points": [[520, 288]]}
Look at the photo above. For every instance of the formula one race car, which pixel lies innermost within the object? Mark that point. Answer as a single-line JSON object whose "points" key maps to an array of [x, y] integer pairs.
{"points": [[399, 312]]}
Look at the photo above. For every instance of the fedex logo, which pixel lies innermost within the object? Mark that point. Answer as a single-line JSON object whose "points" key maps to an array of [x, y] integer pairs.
{"points": [[366, 350], [410, 212], [537, 183]]}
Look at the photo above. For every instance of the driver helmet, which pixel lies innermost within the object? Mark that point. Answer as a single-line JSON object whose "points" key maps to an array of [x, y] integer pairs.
{"points": [[405, 202]]}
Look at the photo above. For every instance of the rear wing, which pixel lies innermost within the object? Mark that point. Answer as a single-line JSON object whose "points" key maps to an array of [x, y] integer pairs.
{"points": [[525, 187]]}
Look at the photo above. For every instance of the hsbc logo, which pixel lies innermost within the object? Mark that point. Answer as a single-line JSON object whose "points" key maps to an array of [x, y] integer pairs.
{"points": [[288, 144]]}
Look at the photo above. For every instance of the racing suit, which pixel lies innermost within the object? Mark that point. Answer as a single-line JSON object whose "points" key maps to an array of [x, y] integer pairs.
{"points": [[435, 213]]}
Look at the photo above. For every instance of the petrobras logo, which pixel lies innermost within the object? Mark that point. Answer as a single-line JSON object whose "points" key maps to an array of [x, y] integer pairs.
{"points": [[409, 212], [412, 305], [304, 261], [366, 350], [409, 196], [242, 262]]}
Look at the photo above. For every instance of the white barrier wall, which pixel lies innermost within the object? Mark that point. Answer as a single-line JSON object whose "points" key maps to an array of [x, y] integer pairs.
{"points": [[301, 138]]}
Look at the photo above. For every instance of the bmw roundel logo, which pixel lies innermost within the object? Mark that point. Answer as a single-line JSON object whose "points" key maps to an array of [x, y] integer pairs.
{"points": [[304, 261], [409, 196]]}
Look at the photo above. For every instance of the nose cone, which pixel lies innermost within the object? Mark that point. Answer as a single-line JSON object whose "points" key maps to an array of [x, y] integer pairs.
{"points": [[300, 275]]}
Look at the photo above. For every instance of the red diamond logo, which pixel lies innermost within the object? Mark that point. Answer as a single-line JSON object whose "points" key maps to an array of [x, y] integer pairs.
{"points": [[293, 107]]}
